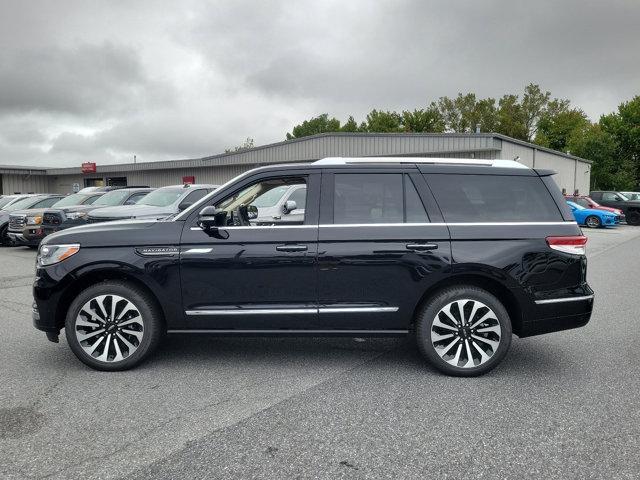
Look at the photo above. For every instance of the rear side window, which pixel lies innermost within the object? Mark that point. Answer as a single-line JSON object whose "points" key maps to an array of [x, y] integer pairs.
{"points": [[368, 198], [376, 198], [493, 198]]}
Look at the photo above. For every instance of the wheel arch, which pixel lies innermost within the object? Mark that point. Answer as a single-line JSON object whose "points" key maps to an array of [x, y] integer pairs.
{"points": [[98, 276], [491, 285]]}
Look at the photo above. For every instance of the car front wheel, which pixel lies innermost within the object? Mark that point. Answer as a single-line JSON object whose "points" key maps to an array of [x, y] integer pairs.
{"points": [[463, 331], [113, 326]]}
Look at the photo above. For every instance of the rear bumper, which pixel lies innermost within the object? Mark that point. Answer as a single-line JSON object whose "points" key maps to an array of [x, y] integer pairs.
{"points": [[556, 314]]}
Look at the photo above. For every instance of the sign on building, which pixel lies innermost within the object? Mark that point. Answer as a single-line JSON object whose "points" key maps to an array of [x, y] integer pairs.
{"points": [[89, 167]]}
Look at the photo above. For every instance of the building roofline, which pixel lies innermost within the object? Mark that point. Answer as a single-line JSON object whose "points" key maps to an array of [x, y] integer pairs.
{"points": [[208, 160]]}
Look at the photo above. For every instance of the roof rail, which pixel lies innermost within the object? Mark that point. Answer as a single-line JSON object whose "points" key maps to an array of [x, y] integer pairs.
{"points": [[422, 160]]}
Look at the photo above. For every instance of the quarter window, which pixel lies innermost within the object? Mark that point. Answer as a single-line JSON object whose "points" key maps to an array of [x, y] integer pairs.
{"points": [[493, 198]]}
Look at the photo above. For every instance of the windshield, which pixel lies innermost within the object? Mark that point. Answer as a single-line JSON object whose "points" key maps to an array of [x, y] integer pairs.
{"points": [[162, 197], [623, 197], [75, 199], [5, 200], [631, 195], [24, 203], [111, 199]]}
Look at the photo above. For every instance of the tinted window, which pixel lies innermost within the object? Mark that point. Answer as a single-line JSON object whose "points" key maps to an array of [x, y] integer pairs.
{"points": [[493, 198], [415, 212], [368, 198], [194, 196], [300, 197]]}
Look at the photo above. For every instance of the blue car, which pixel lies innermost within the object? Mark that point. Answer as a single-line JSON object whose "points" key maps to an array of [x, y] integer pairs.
{"points": [[593, 218]]}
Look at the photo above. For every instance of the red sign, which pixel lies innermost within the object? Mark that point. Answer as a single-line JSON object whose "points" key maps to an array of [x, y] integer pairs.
{"points": [[191, 179], [88, 167]]}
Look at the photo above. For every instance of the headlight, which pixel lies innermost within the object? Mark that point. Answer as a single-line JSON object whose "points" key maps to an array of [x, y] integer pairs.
{"points": [[51, 254], [37, 220], [76, 215]]}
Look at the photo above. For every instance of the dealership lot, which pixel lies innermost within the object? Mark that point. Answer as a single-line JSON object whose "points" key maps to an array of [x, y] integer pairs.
{"points": [[564, 405]]}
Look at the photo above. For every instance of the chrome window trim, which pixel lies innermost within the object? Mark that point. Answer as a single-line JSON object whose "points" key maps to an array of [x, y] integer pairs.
{"points": [[357, 309], [396, 225], [564, 299]]}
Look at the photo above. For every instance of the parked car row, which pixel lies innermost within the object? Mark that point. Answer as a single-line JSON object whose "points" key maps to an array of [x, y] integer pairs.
{"points": [[605, 208], [27, 219]]}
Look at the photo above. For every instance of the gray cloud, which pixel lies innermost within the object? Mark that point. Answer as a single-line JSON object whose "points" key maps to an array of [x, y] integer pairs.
{"points": [[107, 80], [85, 80]]}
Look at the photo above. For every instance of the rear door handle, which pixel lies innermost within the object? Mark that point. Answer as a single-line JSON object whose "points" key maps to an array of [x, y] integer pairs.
{"points": [[421, 247], [291, 248]]}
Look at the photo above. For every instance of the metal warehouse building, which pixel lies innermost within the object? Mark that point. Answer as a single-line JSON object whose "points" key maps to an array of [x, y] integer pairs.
{"points": [[573, 172]]}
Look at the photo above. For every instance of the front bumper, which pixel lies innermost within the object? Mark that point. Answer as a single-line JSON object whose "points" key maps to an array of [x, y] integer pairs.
{"points": [[31, 236]]}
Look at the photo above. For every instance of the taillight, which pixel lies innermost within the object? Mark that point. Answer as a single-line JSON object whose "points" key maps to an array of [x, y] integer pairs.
{"points": [[576, 245]]}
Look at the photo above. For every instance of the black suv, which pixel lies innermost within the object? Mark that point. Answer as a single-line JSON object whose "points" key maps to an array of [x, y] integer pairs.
{"points": [[630, 208], [458, 253]]}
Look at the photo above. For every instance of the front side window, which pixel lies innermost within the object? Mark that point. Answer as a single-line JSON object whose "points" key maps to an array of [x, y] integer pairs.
{"points": [[135, 198], [493, 198], [264, 203], [581, 201]]}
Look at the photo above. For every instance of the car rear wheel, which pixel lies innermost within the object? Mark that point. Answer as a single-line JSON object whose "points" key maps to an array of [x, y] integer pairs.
{"points": [[593, 222], [633, 218], [463, 331], [113, 326]]}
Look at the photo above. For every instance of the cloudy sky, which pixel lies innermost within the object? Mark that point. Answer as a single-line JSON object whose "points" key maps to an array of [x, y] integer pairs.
{"points": [[104, 80]]}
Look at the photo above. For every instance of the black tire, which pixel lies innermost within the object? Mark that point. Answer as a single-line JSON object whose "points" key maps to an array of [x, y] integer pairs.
{"points": [[5, 241], [592, 221], [633, 218], [148, 324], [470, 296]]}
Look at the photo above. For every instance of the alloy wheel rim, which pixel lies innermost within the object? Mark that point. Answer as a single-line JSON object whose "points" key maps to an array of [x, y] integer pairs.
{"points": [[466, 333], [109, 328], [592, 222]]}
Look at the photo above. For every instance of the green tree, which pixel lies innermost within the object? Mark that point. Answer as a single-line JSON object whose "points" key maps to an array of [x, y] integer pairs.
{"points": [[555, 129], [350, 125], [320, 124], [601, 147], [624, 125], [465, 112], [423, 121], [246, 145], [379, 121], [510, 118]]}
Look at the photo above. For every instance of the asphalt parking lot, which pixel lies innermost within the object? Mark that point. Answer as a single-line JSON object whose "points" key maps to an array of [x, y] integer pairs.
{"points": [[564, 405]]}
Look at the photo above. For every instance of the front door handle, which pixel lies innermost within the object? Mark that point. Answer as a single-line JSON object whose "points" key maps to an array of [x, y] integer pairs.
{"points": [[421, 247], [292, 248]]}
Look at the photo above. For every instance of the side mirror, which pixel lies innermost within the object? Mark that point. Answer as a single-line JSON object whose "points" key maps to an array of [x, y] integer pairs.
{"points": [[289, 206], [252, 212], [211, 218], [184, 205]]}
